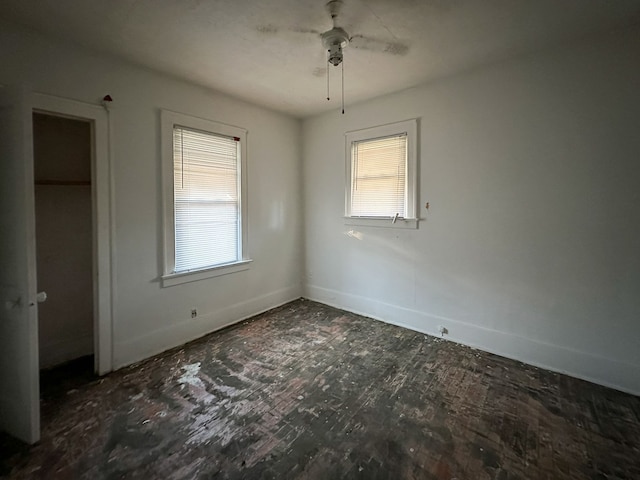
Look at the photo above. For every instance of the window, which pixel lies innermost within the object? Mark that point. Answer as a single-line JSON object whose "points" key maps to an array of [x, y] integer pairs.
{"points": [[381, 176], [204, 208]]}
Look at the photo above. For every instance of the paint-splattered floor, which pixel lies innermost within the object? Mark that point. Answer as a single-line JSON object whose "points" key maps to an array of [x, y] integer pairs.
{"points": [[306, 391]]}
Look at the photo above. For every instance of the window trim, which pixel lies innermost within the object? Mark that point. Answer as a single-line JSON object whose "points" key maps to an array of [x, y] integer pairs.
{"points": [[169, 119], [411, 128]]}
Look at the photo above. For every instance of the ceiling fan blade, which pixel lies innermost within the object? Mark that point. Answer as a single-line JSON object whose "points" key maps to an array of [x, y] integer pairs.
{"points": [[373, 44], [270, 29]]}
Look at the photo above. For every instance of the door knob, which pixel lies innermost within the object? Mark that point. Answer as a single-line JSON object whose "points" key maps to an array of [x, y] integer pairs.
{"points": [[40, 297]]}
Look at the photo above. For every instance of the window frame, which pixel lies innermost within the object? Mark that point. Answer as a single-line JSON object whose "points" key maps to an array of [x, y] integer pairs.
{"points": [[169, 120], [411, 220]]}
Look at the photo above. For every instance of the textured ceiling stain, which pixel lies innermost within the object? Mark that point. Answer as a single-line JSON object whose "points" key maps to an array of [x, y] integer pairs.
{"points": [[319, 71], [267, 29], [377, 45], [396, 49]]}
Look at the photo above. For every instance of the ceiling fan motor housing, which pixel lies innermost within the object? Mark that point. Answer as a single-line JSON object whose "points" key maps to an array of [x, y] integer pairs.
{"points": [[334, 41]]}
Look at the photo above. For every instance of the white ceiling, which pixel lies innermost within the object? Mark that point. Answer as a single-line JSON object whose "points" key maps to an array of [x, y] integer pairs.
{"points": [[255, 50]]}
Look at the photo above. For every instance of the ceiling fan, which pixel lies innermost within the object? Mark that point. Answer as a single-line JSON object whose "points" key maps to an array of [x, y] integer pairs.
{"points": [[336, 39]]}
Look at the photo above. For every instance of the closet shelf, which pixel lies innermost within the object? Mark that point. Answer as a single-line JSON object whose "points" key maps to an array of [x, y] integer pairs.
{"points": [[64, 182]]}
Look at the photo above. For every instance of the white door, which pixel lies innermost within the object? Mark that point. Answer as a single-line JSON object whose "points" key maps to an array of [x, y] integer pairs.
{"points": [[19, 369]]}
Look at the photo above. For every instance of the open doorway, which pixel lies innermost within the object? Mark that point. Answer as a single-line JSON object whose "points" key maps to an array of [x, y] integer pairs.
{"points": [[85, 121], [62, 152]]}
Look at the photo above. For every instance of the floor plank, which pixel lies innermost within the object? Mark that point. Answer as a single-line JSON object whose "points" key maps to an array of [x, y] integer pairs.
{"points": [[306, 391]]}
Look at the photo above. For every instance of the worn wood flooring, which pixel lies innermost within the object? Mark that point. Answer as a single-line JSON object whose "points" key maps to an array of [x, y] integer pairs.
{"points": [[307, 391]]}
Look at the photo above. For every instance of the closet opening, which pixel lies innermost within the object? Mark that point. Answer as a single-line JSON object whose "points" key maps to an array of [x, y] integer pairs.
{"points": [[65, 249]]}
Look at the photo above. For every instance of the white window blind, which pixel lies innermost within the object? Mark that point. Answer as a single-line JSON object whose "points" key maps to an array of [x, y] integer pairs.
{"points": [[206, 199], [378, 177]]}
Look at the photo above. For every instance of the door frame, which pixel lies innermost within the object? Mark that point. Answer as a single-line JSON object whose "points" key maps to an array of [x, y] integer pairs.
{"points": [[102, 221]]}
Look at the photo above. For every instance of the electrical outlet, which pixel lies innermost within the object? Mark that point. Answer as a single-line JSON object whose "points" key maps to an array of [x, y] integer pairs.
{"points": [[194, 313]]}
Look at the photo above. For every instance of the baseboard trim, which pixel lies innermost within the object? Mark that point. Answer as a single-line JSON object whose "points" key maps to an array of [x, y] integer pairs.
{"points": [[158, 341], [579, 364]]}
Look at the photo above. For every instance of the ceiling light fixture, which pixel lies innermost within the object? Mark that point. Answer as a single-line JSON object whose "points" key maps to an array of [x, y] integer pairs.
{"points": [[337, 39], [334, 41]]}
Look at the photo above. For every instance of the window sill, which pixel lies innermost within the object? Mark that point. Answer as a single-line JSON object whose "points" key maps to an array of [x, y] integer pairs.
{"points": [[171, 279], [386, 222]]}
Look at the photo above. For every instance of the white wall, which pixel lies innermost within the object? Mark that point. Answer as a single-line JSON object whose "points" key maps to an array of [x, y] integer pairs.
{"points": [[148, 318], [531, 247]]}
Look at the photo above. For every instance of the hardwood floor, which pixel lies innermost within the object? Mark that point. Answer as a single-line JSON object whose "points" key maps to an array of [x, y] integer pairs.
{"points": [[307, 391]]}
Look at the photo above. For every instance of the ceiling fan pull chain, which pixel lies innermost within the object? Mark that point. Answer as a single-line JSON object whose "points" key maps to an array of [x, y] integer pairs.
{"points": [[328, 75], [343, 87]]}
